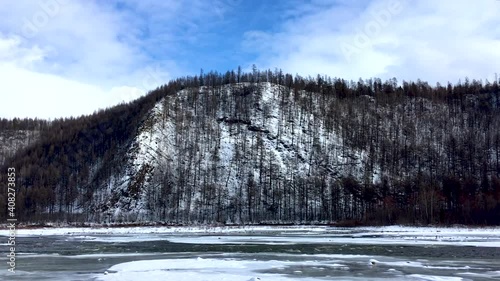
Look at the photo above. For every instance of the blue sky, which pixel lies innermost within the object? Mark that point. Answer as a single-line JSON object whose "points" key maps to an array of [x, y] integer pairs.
{"points": [[70, 57]]}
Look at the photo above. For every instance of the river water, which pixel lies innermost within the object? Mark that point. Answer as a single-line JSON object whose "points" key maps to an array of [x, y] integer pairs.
{"points": [[254, 256]]}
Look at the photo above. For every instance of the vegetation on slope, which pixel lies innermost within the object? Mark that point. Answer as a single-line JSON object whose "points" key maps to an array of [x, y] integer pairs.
{"points": [[427, 154]]}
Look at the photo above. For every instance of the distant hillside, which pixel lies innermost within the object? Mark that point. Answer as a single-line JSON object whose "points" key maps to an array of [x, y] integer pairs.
{"points": [[267, 147], [17, 134]]}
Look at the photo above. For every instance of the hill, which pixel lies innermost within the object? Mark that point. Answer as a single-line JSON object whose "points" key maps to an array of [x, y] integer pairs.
{"points": [[267, 147]]}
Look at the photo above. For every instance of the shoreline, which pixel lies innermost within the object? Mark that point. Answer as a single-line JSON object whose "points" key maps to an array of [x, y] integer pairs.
{"points": [[28, 230]]}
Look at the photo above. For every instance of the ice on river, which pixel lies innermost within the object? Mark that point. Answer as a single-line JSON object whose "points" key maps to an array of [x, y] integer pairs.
{"points": [[238, 270], [210, 269], [389, 235], [257, 253]]}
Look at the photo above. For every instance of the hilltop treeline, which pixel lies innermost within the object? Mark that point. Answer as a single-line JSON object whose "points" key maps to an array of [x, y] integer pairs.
{"points": [[431, 153]]}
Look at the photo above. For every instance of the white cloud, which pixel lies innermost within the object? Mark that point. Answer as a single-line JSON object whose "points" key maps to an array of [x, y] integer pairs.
{"points": [[28, 91], [65, 58], [12, 51], [25, 93], [436, 41]]}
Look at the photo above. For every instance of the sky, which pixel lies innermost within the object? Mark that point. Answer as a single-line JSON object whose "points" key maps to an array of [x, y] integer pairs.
{"points": [[62, 58]]}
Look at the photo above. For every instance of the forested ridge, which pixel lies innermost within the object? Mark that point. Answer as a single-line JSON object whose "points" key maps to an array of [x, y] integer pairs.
{"points": [[269, 147]]}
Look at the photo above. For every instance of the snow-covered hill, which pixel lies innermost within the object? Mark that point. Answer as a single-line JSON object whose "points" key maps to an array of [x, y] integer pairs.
{"points": [[213, 150], [243, 153]]}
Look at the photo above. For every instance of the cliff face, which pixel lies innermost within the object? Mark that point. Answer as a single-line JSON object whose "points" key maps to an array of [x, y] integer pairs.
{"points": [[240, 153]]}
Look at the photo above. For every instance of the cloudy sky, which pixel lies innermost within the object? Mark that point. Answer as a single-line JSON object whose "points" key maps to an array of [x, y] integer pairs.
{"points": [[61, 58]]}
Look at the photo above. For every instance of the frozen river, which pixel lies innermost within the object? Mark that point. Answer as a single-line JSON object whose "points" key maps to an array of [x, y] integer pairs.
{"points": [[256, 253]]}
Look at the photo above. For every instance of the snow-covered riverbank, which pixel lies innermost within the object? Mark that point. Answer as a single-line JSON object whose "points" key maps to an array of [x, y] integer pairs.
{"points": [[403, 235], [386, 230]]}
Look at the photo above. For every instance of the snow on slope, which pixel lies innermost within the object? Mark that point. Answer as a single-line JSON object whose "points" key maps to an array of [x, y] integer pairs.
{"points": [[165, 141], [12, 141]]}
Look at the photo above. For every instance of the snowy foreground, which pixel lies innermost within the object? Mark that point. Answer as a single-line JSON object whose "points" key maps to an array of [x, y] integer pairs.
{"points": [[247, 270], [285, 262]]}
